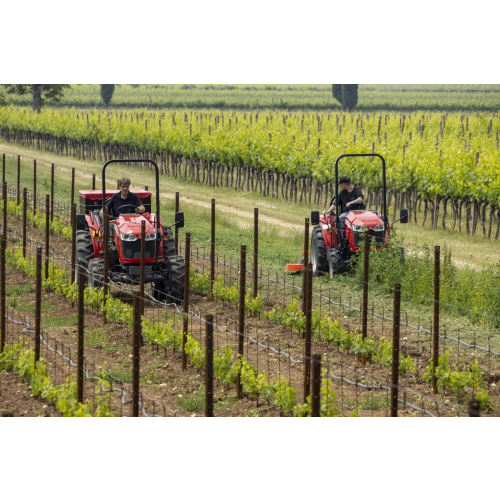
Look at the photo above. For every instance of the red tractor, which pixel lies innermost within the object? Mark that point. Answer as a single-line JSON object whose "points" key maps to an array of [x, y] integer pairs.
{"points": [[331, 247], [164, 269]]}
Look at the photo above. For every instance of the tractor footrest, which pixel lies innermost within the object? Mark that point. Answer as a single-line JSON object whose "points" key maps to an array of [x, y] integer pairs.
{"points": [[136, 270]]}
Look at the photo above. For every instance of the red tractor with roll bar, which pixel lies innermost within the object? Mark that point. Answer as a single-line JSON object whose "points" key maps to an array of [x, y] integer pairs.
{"points": [[164, 269], [332, 248]]}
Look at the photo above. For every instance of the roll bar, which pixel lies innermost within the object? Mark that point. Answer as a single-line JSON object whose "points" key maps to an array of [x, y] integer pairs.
{"points": [[368, 155], [157, 189]]}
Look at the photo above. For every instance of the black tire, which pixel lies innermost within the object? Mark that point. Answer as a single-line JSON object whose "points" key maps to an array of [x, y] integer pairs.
{"points": [[96, 273], [337, 264], [169, 245], [163, 292], [84, 253], [319, 260]]}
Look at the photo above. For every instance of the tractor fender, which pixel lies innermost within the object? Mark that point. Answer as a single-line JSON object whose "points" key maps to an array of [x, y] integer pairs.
{"points": [[331, 239]]}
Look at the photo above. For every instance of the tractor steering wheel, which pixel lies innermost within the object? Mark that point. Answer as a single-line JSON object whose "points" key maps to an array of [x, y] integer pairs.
{"points": [[126, 206], [360, 206]]}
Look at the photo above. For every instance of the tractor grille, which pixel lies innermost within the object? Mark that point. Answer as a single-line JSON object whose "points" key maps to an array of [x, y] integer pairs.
{"points": [[376, 238], [132, 249]]}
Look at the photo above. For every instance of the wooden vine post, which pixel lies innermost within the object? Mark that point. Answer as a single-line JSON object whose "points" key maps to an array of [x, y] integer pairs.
{"points": [[185, 327], [241, 319]]}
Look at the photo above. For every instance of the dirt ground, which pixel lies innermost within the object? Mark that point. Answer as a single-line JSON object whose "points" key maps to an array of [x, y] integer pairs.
{"points": [[16, 399], [168, 391]]}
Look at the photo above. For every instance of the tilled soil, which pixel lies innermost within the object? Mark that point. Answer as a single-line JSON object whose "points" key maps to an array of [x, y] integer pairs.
{"points": [[177, 393], [16, 399]]}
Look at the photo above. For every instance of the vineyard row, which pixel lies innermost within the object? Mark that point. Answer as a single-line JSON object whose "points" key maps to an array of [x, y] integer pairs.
{"points": [[454, 176]]}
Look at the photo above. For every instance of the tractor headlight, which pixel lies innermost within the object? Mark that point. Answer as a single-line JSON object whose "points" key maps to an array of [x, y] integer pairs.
{"points": [[127, 237], [151, 237], [381, 227], [358, 229]]}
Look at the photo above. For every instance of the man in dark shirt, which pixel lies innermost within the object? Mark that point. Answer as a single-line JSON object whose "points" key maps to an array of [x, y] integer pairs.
{"points": [[349, 196], [124, 197]]}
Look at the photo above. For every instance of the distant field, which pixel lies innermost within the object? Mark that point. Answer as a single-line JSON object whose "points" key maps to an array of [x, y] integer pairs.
{"points": [[286, 96]]}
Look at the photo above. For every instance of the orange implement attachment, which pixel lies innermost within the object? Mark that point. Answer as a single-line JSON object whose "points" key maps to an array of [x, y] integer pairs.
{"points": [[295, 268]]}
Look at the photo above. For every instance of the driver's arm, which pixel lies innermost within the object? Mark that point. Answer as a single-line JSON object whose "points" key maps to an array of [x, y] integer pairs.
{"points": [[357, 201], [141, 209]]}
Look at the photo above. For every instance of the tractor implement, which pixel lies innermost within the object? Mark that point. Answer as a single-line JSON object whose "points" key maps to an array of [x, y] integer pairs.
{"points": [[297, 268]]}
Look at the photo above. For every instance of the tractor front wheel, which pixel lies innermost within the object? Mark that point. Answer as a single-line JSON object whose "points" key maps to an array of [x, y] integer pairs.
{"points": [[84, 253], [163, 292], [337, 264], [169, 245], [96, 273], [319, 260]]}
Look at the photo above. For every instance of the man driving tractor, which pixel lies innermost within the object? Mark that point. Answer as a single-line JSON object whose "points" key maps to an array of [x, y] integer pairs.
{"points": [[124, 197], [349, 196]]}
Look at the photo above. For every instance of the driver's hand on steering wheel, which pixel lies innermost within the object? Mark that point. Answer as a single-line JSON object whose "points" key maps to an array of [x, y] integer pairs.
{"points": [[348, 205]]}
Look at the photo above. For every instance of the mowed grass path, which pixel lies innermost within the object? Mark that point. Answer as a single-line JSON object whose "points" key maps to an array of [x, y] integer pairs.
{"points": [[281, 222]]}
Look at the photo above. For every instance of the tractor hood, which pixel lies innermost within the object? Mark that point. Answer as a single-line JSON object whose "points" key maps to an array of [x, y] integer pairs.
{"points": [[132, 224], [357, 219]]}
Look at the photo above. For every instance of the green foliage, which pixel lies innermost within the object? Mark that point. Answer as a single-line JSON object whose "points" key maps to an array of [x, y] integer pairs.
{"points": [[39, 92], [195, 403], [56, 226], [255, 383], [325, 328], [466, 385], [17, 359], [291, 317], [196, 352], [232, 295], [199, 283], [479, 289], [328, 401]]}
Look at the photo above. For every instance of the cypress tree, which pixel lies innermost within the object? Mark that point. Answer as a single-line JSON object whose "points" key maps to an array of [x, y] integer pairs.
{"points": [[107, 91], [347, 95]]}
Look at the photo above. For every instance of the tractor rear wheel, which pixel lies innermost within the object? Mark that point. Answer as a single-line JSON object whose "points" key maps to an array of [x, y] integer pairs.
{"points": [[319, 260], [169, 245], [337, 264], [84, 253], [96, 273]]}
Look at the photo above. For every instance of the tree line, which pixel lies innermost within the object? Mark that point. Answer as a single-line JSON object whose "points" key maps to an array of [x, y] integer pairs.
{"points": [[345, 94]]}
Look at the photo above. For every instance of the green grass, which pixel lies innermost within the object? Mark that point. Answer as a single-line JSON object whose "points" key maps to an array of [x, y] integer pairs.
{"points": [[152, 378], [60, 321], [111, 350], [45, 307], [96, 338], [194, 404], [17, 290], [122, 373]]}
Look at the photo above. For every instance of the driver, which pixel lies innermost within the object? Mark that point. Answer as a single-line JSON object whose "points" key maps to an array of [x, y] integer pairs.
{"points": [[124, 197], [349, 195]]}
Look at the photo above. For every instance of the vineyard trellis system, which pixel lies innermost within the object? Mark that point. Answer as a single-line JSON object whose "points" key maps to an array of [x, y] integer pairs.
{"points": [[253, 339], [219, 259], [362, 381]]}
